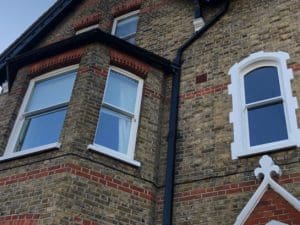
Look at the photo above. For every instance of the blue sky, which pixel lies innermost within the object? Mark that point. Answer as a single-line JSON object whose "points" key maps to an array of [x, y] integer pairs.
{"points": [[16, 16]]}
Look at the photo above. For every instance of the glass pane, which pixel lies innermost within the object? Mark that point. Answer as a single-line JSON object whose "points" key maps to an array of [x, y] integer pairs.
{"points": [[51, 92], [126, 27], [267, 124], [113, 130], [42, 129], [121, 91], [261, 83]]}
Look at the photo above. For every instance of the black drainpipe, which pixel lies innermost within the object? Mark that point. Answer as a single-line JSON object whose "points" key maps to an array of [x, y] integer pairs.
{"points": [[171, 152]]}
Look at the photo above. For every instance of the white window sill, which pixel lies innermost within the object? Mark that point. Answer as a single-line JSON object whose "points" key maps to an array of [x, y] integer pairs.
{"points": [[114, 154], [270, 147], [86, 29], [30, 151]]}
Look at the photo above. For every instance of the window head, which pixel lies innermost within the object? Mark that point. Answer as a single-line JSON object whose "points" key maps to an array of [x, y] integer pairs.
{"points": [[125, 26], [263, 113]]}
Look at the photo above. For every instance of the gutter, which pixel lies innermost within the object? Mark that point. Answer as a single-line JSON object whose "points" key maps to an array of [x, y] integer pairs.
{"points": [[94, 36], [173, 117]]}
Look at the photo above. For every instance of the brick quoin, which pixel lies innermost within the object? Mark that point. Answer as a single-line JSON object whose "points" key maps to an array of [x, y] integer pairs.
{"points": [[80, 172], [24, 219], [86, 21], [129, 63], [126, 7], [273, 207], [55, 62]]}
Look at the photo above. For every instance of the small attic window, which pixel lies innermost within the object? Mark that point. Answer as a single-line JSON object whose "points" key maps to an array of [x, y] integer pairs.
{"points": [[125, 26]]}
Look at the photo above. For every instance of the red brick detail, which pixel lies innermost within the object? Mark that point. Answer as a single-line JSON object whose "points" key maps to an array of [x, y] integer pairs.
{"points": [[201, 78], [55, 62], [126, 7], [93, 69], [204, 91], [227, 189], [24, 219], [295, 67], [83, 172], [273, 207], [87, 21], [129, 63]]}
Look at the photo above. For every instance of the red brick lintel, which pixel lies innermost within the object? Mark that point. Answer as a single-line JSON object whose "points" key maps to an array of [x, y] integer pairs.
{"points": [[55, 62], [81, 172], [126, 7], [87, 21], [129, 63]]}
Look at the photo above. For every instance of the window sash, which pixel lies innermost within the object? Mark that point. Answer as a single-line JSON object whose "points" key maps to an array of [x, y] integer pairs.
{"points": [[266, 134], [23, 115], [238, 117], [264, 102], [261, 103], [133, 116], [27, 122], [118, 110], [122, 18]]}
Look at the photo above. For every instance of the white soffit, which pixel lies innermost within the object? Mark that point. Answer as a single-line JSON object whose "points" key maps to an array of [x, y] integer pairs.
{"points": [[267, 169]]}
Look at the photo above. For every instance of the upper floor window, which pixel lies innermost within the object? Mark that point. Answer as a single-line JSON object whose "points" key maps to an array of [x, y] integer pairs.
{"points": [[119, 115], [263, 115], [42, 114], [125, 26]]}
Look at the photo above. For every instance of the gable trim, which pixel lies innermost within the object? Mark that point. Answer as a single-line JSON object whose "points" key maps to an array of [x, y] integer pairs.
{"points": [[267, 170]]}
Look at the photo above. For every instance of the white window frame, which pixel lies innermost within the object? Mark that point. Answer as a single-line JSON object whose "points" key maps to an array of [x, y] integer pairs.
{"points": [[12, 141], [125, 16], [4, 87], [241, 145], [129, 157]]}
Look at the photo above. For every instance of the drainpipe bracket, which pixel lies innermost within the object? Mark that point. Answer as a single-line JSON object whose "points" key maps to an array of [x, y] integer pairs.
{"points": [[198, 23]]}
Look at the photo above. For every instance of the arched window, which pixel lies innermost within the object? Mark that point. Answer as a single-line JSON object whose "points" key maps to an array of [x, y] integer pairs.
{"points": [[263, 115]]}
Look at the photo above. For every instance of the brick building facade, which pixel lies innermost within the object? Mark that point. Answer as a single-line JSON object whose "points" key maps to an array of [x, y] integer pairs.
{"points": [[76, 175]]}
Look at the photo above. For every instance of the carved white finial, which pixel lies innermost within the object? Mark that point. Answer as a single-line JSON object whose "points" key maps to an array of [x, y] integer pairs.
{"points": [[267, 169]]}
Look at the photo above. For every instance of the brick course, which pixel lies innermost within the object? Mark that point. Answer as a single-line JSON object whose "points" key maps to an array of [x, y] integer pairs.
{"points": [[76, 186]]}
